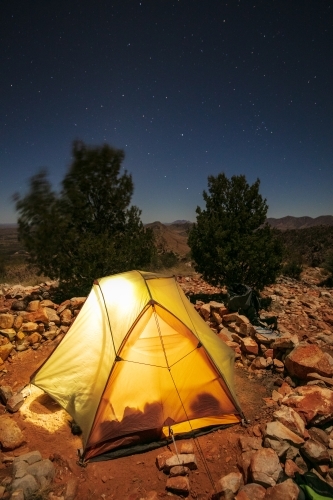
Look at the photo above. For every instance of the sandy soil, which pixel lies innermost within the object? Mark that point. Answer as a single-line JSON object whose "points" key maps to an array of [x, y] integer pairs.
{"points": [[46, 427]]}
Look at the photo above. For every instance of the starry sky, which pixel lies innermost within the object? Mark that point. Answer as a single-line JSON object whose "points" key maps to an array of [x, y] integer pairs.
{"points": [[187, 88]]}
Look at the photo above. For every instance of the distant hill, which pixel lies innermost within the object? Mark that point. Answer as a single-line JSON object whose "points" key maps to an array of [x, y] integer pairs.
{"points": [[290, 222], [171, 237]]}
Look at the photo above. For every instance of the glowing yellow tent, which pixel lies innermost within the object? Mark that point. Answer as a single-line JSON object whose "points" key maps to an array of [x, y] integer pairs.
{"points": [[140, 363]]}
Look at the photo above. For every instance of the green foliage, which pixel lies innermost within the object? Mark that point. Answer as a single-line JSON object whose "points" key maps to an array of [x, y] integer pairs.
{"points": [[292, 269], [309, 246], [230, 242], [88, 230], [328, 263], [168, 259]]}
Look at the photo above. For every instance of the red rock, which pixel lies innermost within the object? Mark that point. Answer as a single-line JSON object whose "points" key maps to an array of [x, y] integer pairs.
{"points": [[288, 490], [38, 316], [313, 403], [179, 485], [251, 491], [290, 468], [265, 467], [249, 346], [162, 458], [269, 353], [308, 358]]}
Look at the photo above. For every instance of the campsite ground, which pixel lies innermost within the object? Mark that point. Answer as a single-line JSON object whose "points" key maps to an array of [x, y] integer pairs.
{"points": [[46, 427]]}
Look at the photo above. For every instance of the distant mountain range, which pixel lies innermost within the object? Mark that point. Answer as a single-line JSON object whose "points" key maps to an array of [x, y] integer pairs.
{"points": [[173, 236], [290, 222]]}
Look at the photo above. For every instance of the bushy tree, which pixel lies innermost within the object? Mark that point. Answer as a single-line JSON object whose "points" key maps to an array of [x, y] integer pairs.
{"points": [[89, 229], [230, 242]]}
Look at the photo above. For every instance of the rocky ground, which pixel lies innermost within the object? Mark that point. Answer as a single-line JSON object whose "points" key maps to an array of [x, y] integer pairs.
{"points": [[283, 382]]}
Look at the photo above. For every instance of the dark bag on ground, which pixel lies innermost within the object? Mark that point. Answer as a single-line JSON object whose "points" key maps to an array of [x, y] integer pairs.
{"points": [[313, 487], [246, 301]]}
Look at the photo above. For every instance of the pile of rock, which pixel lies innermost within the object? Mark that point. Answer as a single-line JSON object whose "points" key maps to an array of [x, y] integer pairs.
{"points": [[299, 439], [28, 317], [33, 477], [178, 468]]}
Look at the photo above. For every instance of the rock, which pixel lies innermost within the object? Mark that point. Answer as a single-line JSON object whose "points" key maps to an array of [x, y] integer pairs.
{"points": [[26, 483], [288, 490], [228, 318], [250, 443], [319, 435], [6, 321], [52, 316], [259, 363], [17, 322], [11, 436], [290, 468], [33, 306], [205, 311], [216, 318], [9, 333], [187, 447], [15, 403], [276, 396], [44, 468], [249, 346], [291, 453], [278, 365], [277, 430], [291, 419], [5, 351], [187, 459], [162, 458], [242, 320], [326, 380], [244, 462], [308, 358], [301, 464], [19, 305], [315, 452], [29, 327], [34, 338], [179, 470], [179, 485], [5, 393], [285, 342], [265, 467], [66, 317], [30, 458], [17, 495], [251, 491], [314, 404], [228, 485], [38, 316]]}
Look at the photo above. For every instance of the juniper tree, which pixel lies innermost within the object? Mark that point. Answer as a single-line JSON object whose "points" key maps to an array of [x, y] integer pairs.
{"points": [[89, 229], [230, 242]]}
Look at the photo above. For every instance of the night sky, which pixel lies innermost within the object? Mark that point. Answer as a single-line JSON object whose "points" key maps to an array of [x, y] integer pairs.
{"points": [[186, 88]]}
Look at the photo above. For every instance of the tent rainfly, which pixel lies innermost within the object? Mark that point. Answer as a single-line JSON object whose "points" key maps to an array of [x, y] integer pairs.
{"points": [[139, 364]]}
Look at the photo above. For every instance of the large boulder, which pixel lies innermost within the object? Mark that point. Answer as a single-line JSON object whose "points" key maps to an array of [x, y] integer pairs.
{"points": [[291, 419], [308, 358], [11, 436], [313, 403], [228, 485], [288, 490], [265, 467]]}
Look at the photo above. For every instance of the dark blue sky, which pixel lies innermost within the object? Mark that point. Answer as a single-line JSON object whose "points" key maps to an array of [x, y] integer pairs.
{"points": [[187, 88]]}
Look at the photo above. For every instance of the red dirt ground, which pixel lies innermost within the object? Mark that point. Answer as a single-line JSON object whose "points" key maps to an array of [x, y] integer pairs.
{"points": [[46, 428]]}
